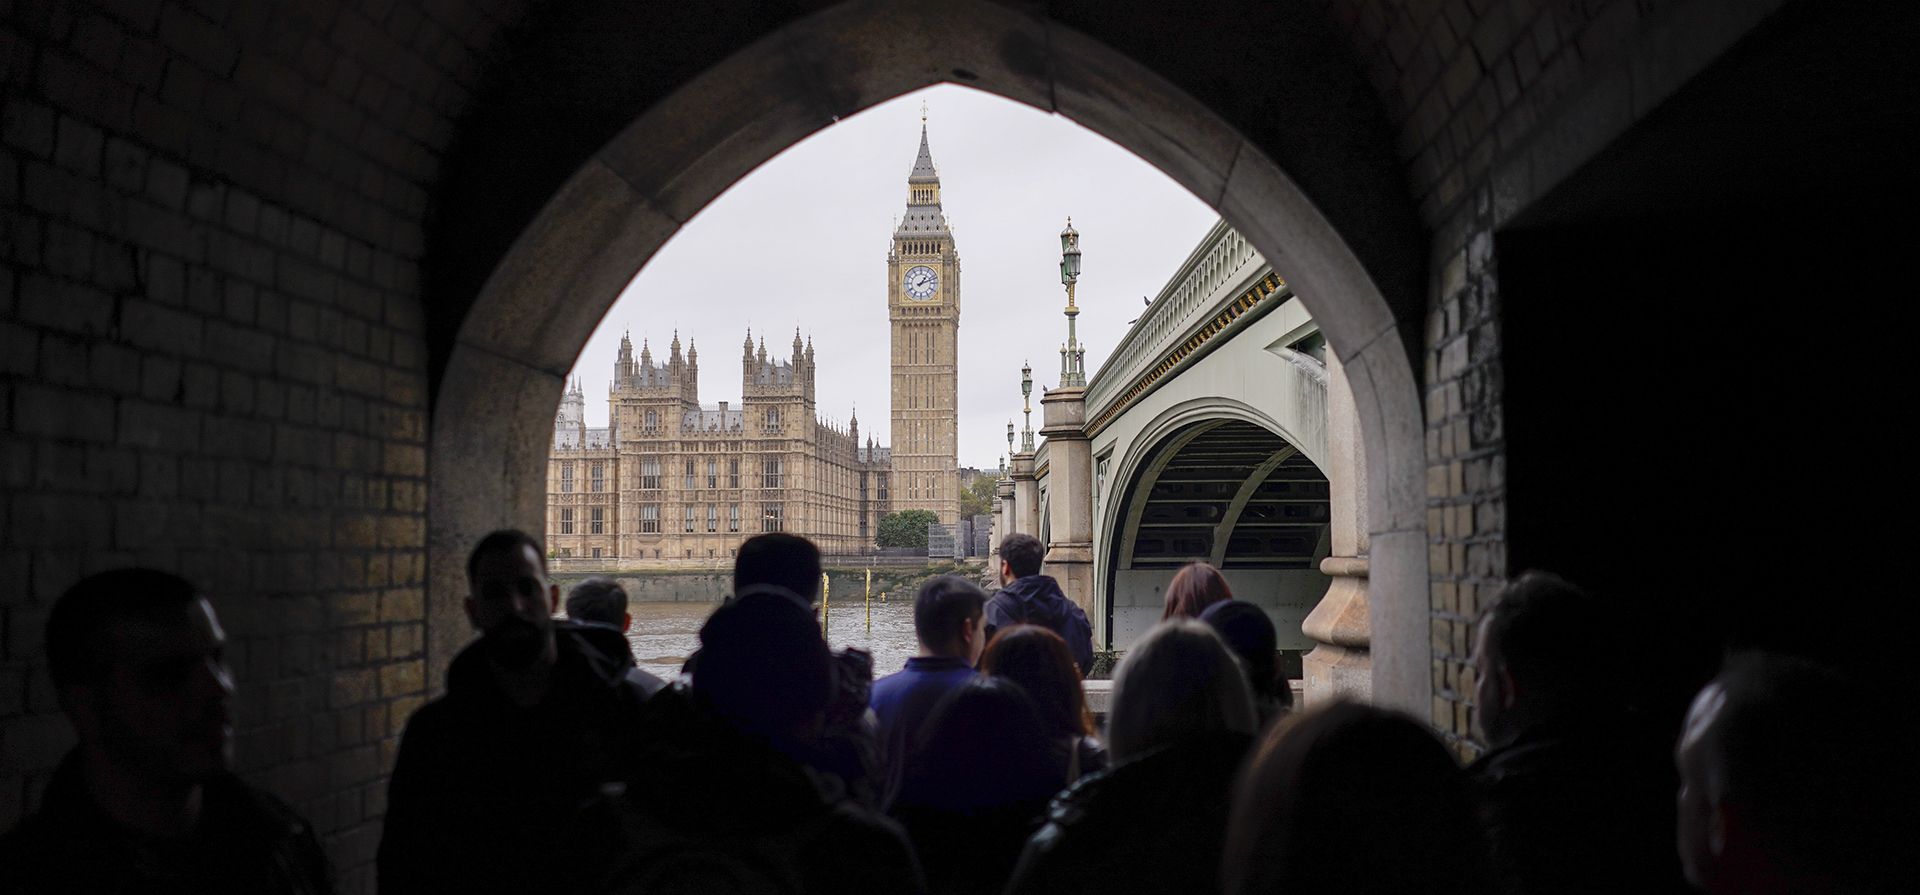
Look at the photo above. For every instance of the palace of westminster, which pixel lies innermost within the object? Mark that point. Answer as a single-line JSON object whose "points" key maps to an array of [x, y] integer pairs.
{"points": [[672, 481]]}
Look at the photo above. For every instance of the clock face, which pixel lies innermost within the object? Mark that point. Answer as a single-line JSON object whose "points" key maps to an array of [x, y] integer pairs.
{"points": [[920, 282]]}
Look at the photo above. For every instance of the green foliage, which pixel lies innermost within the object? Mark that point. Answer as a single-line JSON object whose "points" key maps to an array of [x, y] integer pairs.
{"points": [[906, 528], [977, 500]]}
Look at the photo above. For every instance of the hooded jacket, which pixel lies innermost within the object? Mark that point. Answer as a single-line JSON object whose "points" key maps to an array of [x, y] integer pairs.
{"points": [[489, 796], [1038, 600]]}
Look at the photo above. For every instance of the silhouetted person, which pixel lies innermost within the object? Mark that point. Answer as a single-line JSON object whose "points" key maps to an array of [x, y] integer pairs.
{"points": [[145, 802], [780, 560], [1573, 799], [727, 797], [603, 602], [1351, 798], [1195, 587], [1037, 660], [1181, 722], [539, 721], [978, 785], [1027, 597], [947, 614], [1249, 633], [789, 565], [1790, 781]]}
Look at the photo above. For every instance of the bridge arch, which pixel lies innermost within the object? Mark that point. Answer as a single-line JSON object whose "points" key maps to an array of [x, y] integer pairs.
{"points": [[1325, 204], [1220, 483]]}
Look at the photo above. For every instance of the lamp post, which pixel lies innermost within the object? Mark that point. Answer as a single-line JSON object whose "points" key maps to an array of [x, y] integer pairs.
{"points": [[1073, 367], [1026, 407], [1009, 436]]}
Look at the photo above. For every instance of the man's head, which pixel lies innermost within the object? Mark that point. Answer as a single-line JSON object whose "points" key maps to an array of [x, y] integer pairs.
{"points": [[509, 600], [949, 618], [1020, 556], [763, 665], [1786, 774], [601, 601], [781, 560], [1538, 651], [138, 660]]}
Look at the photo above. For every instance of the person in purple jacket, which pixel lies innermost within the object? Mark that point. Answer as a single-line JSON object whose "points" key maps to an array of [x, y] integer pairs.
{"points": [[947, 621], [1027, 597]]}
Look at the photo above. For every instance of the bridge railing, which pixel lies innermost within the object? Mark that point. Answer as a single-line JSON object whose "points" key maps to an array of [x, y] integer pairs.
{"points": [[1220, 268]]}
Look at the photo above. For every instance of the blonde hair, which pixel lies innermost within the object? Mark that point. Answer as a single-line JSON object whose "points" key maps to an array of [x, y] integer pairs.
{"points": [[1178, 681]]}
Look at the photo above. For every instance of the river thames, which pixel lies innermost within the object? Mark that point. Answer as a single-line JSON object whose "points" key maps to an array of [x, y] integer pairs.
{"points": [[663, 634]]}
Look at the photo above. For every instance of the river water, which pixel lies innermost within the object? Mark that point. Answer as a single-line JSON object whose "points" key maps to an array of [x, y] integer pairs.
{"points": [[663, 634]]}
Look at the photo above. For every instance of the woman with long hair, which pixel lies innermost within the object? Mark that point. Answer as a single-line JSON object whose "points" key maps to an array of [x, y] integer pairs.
{"points": [[1182, 720], [1038, 660], [1355, 798], [1195, 587]]}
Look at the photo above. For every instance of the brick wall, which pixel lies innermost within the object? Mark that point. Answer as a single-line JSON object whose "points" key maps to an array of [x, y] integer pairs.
{"points": [[212, 360], [1495, 101]]}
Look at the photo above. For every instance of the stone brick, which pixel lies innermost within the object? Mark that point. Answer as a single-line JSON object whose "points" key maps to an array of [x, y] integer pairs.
{"points": [[403, 678]]}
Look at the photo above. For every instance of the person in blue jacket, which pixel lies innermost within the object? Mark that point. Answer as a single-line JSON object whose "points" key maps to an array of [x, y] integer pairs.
{"points": [[1027, 597]]}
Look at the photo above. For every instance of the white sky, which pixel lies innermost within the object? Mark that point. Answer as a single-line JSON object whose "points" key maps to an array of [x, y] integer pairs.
{"points": [[802, 241]]}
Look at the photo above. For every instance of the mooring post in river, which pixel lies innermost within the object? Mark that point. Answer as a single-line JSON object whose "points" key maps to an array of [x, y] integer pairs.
{"points": [[826, 584], [869, 600]]}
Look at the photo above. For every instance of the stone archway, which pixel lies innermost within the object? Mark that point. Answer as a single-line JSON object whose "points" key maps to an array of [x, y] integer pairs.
{"points": [[1229, 492], [504, 373]]}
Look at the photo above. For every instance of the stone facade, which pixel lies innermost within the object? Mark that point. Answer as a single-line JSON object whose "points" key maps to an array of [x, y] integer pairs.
{"points": [[673, 482]]}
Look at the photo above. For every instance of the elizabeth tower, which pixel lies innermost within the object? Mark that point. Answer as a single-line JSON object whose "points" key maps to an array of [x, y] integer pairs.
{"points": [[923, 304]]}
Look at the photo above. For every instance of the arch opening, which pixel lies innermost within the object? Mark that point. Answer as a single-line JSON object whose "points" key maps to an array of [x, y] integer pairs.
{"points": [[492, 416]]}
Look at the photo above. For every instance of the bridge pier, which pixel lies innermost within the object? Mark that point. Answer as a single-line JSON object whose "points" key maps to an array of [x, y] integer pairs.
{"points": [[1069, 493], [1341, 662]]}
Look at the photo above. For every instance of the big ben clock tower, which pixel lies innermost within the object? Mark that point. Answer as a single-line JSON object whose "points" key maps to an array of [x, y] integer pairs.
{"points": [[923, 304]]}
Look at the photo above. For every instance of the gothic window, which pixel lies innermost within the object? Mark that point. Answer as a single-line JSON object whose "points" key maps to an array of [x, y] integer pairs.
{"points": [[713, 473], [598, 477], [650, 519], [652, 422], [773, 419], [688, 483], [688, 519], [771, 517], [770, 473], [733, 475], [713, 518], [598, 522], [650, 473], [596, 553], [733, 518], [566, 477], [566, 521]]}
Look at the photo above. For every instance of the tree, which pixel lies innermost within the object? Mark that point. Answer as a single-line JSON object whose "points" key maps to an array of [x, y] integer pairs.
{"points": [[977, 500], [906, 528]]}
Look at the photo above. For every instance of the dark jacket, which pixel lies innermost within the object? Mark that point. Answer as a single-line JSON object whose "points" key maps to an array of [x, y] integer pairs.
{"points": [[488, 796], [1038, 600], [903, 703], [1153, 824], [246, 841], [1571, 809], [713, 810]]}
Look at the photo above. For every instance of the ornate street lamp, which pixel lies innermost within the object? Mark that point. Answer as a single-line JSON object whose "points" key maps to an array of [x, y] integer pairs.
{"points": [[1009, 436], [1073, 358], [1026, 408]]}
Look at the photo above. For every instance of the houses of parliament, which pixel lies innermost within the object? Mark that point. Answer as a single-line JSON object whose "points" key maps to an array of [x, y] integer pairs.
{"points": [[671, 481]]}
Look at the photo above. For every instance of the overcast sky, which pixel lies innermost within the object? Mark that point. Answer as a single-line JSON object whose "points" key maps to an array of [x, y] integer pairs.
{"points": [[802, 241]]}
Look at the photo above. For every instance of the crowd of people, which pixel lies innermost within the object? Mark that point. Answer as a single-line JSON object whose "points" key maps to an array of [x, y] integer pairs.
{"points": [[774, 763]]}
